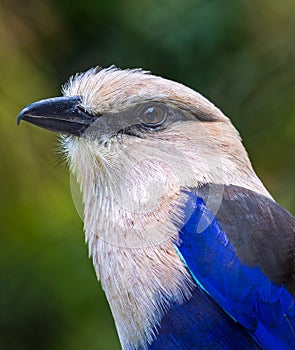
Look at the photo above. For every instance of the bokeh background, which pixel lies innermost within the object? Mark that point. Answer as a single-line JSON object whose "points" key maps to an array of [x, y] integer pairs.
{"points": [[240, 54]]}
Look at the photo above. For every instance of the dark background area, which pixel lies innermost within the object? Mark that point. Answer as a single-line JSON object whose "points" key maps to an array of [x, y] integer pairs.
{"points": [[239, 54]]}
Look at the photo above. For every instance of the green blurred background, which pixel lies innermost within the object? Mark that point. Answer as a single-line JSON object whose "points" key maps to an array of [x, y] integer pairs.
{"points": [[240, 54]]}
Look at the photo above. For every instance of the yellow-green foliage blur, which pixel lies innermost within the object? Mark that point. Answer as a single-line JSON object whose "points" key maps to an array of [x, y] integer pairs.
{"points": [[240, 54]]}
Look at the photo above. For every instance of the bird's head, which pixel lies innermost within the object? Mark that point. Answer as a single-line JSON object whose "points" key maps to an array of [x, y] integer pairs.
{"points": [[135, 142]]}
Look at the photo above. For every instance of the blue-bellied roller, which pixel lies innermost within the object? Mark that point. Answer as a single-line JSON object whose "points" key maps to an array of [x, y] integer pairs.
{"points": [[189, 246]]}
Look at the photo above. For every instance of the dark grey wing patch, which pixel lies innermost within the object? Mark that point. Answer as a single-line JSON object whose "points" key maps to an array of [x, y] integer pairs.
{"points": [[262, 232]]}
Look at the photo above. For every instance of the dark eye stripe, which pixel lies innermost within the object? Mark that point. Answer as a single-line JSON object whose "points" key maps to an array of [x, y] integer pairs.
{"points": [[139, 121], [148, 118]]}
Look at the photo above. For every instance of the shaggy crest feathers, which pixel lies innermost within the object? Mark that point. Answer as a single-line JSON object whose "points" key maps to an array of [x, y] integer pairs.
{"points": [[114, 89]]}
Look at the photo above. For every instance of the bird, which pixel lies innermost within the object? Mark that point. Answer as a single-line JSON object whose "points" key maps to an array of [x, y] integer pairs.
{"points": [[189, 246]]}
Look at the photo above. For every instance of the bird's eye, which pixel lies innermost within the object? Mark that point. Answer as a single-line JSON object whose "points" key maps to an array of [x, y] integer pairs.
{"points": [[153, 116]]}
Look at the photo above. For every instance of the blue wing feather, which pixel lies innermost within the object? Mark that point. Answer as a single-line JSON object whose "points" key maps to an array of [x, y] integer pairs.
{"points": [[234, 305], [265, 309], [198, 324]]}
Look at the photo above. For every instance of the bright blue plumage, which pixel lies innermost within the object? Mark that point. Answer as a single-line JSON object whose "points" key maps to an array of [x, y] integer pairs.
{"points": [[265, 311], [200, 324]]}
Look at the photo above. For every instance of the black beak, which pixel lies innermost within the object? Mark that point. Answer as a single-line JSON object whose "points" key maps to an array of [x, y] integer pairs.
{"points": [[59, 114]]}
